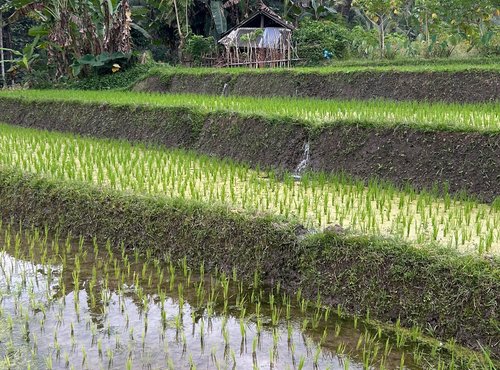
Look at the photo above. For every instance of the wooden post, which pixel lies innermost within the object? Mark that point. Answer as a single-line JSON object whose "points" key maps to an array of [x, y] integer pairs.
{"points": [[2, 59], [289, 52]]}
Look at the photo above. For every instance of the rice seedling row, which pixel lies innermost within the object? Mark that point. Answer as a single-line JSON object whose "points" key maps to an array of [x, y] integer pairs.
{"points": [[419, 115], [68, 302], [317, 201]]}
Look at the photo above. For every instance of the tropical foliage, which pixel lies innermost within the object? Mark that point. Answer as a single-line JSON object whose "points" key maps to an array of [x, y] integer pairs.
{"points": [[85, 37]]}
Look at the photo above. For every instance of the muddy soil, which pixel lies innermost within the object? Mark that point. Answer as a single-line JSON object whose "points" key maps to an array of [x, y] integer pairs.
{"points": [[460, 87]]}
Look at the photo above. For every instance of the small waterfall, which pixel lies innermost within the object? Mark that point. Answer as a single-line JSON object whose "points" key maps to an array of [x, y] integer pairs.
{"points": [[303, 163], [225, 90]]}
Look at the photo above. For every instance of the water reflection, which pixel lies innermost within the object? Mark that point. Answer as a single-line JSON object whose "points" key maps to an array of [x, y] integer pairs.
{"points": [[78, 306]]}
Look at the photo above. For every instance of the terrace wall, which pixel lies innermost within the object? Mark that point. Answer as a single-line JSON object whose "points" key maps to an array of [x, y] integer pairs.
{"points": [[468, 162], [451, 295], [461, 87]]}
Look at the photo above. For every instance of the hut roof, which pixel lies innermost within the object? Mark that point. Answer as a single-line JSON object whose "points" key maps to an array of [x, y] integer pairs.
{"points": [[271, 37], [265, 14]]}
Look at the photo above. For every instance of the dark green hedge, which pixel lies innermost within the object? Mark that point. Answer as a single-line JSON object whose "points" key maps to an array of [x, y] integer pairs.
{"points": [[457, 296]]}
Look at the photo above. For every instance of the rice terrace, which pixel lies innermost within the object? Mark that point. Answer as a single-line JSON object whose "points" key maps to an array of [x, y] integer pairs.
{"points": [[249, 185]]}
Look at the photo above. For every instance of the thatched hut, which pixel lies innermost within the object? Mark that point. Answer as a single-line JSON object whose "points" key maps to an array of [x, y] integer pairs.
{"points": [[263, 39]]}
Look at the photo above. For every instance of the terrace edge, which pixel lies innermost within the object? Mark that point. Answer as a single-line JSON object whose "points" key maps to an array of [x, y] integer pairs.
{"points": [[385, 279], [400, 155], [460, 87]]}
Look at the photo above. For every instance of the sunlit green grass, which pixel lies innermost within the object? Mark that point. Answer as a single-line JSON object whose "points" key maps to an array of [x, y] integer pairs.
{"points": [[424, 116], [317, 201], [360, 65]]}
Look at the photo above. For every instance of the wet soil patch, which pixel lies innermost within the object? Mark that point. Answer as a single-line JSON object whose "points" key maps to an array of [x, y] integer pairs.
{"points": [[468, 162], [253, 140], [136, 124]]}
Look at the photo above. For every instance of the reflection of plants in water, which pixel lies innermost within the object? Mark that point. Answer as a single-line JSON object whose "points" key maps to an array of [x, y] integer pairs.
{"points": [[95, 306]]}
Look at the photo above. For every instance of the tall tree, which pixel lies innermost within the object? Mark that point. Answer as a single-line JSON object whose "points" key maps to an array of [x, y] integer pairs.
{"points": [[2, 54], [380, 14]]}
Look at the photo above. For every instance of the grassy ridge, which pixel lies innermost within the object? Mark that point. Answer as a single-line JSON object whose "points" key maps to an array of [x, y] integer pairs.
{"points": [[317, 201], [389, 280], [316, 113], [349, 66]]}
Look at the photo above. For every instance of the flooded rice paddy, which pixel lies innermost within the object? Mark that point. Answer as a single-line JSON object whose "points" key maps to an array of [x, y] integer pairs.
{"points": [[317, 201], [67, 303]]}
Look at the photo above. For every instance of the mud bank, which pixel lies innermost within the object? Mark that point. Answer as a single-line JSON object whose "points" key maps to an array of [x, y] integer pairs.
{"points": [[460, 87], [457, 161]]}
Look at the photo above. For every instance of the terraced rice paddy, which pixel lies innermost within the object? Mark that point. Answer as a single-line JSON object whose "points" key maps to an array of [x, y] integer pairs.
{"points": [[433, 116], [317, 201], [69, 303], [349, 66]]}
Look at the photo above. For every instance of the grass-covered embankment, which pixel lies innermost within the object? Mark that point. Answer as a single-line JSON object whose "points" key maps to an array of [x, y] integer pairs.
{"points": [[312, 112], [445, 294], [450, 81], [405, 143]]}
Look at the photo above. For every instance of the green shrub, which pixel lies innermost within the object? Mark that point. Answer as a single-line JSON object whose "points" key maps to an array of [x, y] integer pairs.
{"points": [[313, 37], [395, 45], [119, 80], [199, 47], [488, 43], [364, 42]]}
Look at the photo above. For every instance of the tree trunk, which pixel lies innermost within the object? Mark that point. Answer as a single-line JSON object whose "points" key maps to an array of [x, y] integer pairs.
{"points": [[179, 29], [382, 37], [2, 59], [346, 9]]}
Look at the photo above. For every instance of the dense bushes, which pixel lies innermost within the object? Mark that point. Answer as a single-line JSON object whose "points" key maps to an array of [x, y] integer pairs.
{"points": [[340, 41], [118, 80], [314, 37], [197, 47]]}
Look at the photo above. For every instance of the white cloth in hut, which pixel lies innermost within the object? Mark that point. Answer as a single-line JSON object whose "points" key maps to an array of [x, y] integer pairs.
{"points": [[271, 38]]}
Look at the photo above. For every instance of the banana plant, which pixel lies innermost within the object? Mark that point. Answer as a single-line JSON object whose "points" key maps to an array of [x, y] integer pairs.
{"points": [[25, 58], [75, 28]]}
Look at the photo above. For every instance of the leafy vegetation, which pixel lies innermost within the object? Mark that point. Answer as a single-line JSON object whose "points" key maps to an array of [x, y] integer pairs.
{"points": [[186, 31], [315, 38], [121, 80]]}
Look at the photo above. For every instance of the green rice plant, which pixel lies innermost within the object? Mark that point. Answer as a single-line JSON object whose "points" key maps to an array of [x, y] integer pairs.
{"points": [[343, 66], [482, 117], [126, 305], [416, 217]]}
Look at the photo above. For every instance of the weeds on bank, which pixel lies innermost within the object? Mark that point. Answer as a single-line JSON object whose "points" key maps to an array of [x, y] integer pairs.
{"points": [[98, 306]]}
